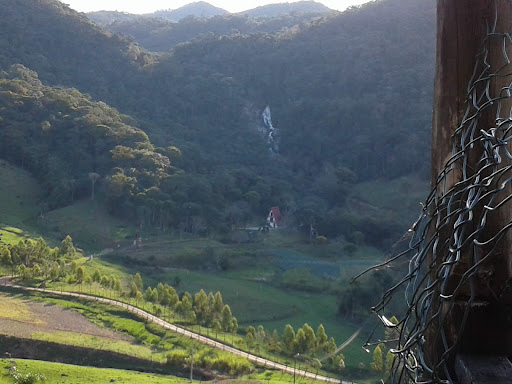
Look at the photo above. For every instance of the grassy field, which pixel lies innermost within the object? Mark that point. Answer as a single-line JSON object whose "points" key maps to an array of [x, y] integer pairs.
{"points": [[89, 226], [57, 373], [19, 195], [255, 302], [398, 198]]}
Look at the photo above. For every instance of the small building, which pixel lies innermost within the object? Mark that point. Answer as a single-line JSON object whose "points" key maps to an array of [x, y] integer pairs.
{"points": [[274, 218]]}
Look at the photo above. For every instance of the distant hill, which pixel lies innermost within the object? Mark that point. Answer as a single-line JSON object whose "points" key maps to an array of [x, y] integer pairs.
{"points": [[163, 30], [198, 9], [108, 17], [276, 10], [159, 35]]}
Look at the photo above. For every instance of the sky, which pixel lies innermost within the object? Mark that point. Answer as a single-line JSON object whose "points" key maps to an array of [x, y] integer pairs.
{"points": [[148, 6]]}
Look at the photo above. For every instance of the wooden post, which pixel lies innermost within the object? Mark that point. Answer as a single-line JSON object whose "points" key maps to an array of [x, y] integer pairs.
{"points": [[462, 27]]}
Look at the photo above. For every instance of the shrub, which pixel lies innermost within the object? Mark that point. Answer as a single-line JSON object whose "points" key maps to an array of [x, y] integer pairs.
{"points": [[177, 357]]}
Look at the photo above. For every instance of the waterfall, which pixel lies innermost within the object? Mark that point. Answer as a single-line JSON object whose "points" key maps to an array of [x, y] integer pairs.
{"points": [[272, 140]]}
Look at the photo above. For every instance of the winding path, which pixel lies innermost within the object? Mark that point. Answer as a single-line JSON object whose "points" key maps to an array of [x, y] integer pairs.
{"points": [[185, 332]]}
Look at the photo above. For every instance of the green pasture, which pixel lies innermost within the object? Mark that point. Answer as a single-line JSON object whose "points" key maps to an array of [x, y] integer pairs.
{"points": [[256, 303], [19, 197], [11, 235], [90, 227], [400, 198]]}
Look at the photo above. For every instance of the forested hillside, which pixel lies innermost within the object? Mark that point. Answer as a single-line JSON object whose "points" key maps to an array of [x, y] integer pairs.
{"points": [[350, 97], [160, 35], [71, 144]]}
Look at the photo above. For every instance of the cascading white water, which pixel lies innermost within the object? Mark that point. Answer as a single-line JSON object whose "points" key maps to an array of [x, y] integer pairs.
{"points": [[272, 131]]}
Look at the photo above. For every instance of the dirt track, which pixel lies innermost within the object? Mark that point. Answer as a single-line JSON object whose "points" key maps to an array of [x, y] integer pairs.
{"points": [[203, 339], [38, 317]]}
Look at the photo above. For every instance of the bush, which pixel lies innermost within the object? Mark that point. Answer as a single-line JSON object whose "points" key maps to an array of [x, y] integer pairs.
{"points": [[177, 357], [304, 280]]}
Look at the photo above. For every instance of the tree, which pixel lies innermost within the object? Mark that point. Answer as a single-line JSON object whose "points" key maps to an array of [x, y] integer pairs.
{"points": [[160, 288], [138, 281], [392, 332], [54, 271], [218, 305], [148, 294], [5, 255], [341, 364], [249, 339], [96, 276], [36, 270], [390, 359], [225, 318], [80, 273], [211, 304], [133, 290], [260, 334], [309, 334], [94, 178], [105, 281], [73, 266], [164, 297], [331, 346], [66, 246], [217, 327], [315, 363], [234, 325], [22, 270], [301, 340], [138, 297], [154, 296], [201, 307], [321, 336], [288, 337], [377, 364], [186, 304]]}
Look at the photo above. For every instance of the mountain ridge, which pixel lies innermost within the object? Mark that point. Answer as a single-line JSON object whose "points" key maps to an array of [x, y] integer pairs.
{"points": [[341, 92]]}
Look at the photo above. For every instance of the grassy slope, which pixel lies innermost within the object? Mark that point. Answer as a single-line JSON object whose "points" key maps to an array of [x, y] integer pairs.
{"points": [[19, 199], [88, 224], [73, 374], [398, 198], [256, 302], [18, 195]]}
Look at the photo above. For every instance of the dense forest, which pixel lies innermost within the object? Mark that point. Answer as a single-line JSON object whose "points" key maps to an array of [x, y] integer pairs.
{"points": [[178, 139]]}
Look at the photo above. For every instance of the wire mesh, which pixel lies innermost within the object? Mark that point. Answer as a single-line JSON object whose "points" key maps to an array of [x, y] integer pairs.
{"points": [[455, 239]]}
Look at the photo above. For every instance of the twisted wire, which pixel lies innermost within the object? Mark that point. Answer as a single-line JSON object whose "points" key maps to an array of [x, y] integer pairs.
{"points": [[452, 240]]}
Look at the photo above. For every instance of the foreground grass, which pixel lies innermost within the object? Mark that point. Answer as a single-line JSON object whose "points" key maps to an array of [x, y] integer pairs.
{"points": [[57, 373]]}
